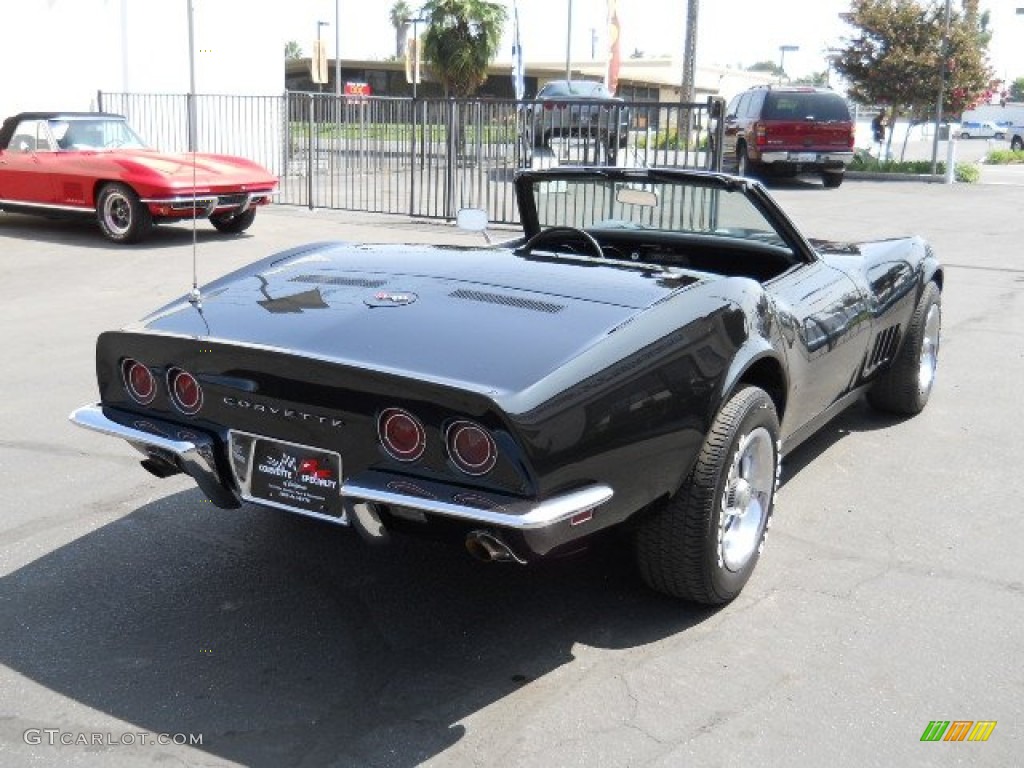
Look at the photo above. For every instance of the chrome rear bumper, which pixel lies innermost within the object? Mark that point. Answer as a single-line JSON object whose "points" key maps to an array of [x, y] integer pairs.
{"points": [[193, 452]]}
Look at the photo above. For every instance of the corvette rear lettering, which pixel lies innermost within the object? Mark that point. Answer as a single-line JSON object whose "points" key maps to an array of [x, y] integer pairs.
{"points": [[286, 413]]}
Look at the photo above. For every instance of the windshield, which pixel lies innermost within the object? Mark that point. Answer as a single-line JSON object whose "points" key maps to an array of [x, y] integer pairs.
{"points": [[94, 133], [670, 206], [576, 89]]}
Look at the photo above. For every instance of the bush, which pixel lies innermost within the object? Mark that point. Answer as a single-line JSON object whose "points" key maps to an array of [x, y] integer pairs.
{"points": [[965, 173], [1004, 157], [669, 140]]}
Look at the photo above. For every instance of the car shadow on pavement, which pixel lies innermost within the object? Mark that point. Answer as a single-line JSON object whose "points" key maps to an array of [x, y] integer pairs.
{"points": [[284, 640], [859, 418], [85, 233]]}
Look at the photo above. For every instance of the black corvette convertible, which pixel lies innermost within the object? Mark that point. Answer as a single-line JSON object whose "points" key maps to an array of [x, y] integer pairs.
{"points": [[641, 358]]}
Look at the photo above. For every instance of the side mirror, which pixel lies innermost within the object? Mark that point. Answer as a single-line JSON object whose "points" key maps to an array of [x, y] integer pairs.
{"points": [[473, 220]]}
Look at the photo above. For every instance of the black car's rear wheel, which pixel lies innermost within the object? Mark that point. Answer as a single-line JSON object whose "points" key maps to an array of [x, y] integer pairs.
{"points": [[703, 543], [121, 215], [234, 224], [907, 385]]}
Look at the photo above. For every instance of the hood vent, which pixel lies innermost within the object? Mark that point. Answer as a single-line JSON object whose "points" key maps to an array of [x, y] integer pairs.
{"points": [[508, 301], [355, 282]]}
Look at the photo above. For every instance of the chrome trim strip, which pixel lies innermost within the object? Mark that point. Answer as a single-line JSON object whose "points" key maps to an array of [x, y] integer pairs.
{"points": [[520, 515], [50, 206], [208, 203]]}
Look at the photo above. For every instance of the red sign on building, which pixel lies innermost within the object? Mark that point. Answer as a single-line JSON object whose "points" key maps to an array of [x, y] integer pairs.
{"points": [[358, 89]]}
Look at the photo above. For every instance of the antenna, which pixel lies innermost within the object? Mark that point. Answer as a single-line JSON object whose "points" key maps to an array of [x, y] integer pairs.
{"points": [[194, 296]]}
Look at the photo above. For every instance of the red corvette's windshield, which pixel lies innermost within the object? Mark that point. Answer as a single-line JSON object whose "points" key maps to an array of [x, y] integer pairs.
{"points": [[94, 133]]}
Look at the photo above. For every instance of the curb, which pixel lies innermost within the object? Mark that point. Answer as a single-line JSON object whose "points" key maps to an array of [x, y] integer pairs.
{"points": [[926, 178]]}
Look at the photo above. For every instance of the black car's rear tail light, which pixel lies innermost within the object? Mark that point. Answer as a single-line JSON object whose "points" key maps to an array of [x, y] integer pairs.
{"points": [[138, 381], [401, 434], [185, 392], [471, 448]]}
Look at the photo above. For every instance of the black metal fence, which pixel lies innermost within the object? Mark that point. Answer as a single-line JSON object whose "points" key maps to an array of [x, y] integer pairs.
{"points": [[423, 157]]}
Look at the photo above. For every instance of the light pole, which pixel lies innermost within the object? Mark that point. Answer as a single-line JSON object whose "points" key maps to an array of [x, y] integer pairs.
{"points": [[320, 49], [415, 51], [568, 45], [783, 50], [831, 54], [337, 47], [943, 63]]}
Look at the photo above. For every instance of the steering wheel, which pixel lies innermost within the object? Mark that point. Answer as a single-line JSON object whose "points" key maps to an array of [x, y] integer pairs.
{"points": [[561, 235]]}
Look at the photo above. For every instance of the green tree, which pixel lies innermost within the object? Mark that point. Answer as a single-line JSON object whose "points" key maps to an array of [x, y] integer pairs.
{"points": [[765, 66], [896, 57], [1017, 89], [461, 41], [292, 50], [817, 79], [398, 14]]}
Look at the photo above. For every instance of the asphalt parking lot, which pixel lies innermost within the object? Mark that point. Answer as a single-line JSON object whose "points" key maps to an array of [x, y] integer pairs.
{"points": [[890, 593]]}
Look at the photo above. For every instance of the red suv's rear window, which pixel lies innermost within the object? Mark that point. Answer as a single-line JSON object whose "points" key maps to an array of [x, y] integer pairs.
{"points": [[805, 106]]}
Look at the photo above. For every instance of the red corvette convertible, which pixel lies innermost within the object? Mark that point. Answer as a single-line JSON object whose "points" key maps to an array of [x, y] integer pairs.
{"points": [[73, 163]]}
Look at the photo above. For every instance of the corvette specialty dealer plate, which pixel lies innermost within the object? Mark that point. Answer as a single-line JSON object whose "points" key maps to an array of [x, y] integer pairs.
{"points": [[296, 477]]}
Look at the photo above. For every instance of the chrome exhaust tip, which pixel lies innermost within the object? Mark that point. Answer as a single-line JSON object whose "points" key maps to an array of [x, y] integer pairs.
{"points": [[488, 547]]}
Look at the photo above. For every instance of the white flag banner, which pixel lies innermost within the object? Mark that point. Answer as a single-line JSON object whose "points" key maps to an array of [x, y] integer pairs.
{"points": [[518, 65]]}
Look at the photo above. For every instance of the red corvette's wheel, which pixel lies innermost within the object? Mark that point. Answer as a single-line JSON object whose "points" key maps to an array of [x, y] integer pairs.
{"points": [[703, 543], [121, 215], [233, 225]]}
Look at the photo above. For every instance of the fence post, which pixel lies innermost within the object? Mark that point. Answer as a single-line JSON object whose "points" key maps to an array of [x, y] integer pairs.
{"points": [[716, 111], [309, 152], [414, 121], [450, 164]]}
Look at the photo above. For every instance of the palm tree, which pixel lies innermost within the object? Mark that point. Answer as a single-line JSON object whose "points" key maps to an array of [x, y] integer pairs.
{"points": [[399, 13], [461, 40], [292, 50]]}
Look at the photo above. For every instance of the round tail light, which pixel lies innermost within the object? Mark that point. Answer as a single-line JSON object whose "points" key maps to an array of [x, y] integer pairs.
{"points": [[401, 434], [471, 448], [186, 394], [138, 381]]}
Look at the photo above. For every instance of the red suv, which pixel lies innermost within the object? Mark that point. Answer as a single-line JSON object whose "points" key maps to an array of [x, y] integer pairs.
{"points": [[789, 130]]}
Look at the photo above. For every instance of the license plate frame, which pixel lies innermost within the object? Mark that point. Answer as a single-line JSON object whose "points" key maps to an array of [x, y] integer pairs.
{"points": [[295, 477], [806, 157]]}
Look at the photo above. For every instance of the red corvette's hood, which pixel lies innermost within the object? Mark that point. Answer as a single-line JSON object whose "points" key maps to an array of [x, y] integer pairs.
{"points": [[206, 169]]}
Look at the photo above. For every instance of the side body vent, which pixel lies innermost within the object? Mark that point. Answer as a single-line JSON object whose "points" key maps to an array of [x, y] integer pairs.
{"points": [[507, 301], [886, 344]]}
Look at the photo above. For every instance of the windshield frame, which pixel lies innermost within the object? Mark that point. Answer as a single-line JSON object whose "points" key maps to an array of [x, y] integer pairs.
{"points": [[134, 141], [525, 180]]}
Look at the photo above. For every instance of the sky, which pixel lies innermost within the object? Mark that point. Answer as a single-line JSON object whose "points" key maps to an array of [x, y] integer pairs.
{"points": [[736, 33]]}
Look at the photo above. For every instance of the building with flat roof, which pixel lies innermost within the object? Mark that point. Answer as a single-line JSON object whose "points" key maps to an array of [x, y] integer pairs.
{"points": [[653, 79]]}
